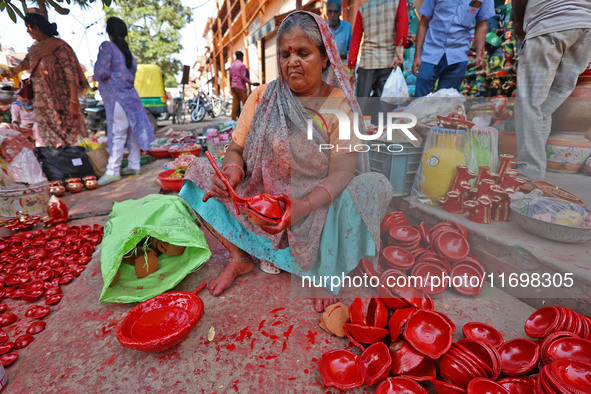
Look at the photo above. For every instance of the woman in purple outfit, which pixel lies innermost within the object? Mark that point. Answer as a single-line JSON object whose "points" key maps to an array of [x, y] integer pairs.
{"points": [[127, 122]]}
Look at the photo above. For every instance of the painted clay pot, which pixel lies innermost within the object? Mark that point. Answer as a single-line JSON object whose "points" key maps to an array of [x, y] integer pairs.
{"points": [[575, 113], [56, 208], [446, 388], [366, 334], [7, 318], [37, 311], [396, 258], [377, 360], [452, 246], [405, 358], [517, 385], [542, 322], [392, 219], [484, 172], [483, 385], [36, 327], [23, 341], [463, 177], [74, 185], [506, 162], [479, 211], [454, 202], [357, 312], [8, 359], [570, 348], [90, 182], [501, 210], [377, 313], [342, 369], [567, 151], [56, 188], [398, 320], [428, 333]]}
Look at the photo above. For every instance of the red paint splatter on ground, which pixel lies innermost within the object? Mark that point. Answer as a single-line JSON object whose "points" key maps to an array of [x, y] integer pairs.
{"points": [[106, 331], [244, 333], [270, 357], [284, 346], [276, 323], [306, 371], [314, 360], [261, 324], [276, 310], [291, 379], [585, 268], [311, 337], [235, 386], [231, 347], [287, 333], [252, 345]]}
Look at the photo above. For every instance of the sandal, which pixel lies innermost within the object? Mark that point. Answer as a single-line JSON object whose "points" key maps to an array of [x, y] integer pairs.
{"points": [[269, 267]]}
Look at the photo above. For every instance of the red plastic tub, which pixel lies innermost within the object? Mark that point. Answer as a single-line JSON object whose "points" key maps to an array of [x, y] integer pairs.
{"points": [[159, 153], [161, 322], [177, 153], [170, 183]]}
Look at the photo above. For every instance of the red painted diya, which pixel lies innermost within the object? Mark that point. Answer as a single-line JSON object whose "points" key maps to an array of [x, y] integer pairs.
{"points": [[7, 318], [23, 341], [377, 360], [262, 209], [399, 385], [519, 356], [8, 359], [37, 311], [428, 333], [342, 369], [486, 386], [365, 334], [36, 327], [484, 332], [542, 322]]}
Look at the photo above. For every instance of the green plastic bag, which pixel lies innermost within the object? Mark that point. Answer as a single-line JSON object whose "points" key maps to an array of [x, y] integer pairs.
{"points": [[167, 218]]}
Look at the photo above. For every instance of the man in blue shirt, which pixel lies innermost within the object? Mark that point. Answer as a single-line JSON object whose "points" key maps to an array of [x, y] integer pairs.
{"points": [[443, 42], [341, 30]]}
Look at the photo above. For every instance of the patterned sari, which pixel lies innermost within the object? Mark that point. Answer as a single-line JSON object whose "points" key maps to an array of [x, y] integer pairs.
{"points": [[55, 69], [280, 159]]}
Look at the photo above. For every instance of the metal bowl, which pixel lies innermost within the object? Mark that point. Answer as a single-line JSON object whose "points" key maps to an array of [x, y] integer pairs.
{"points": [[553, 231]]}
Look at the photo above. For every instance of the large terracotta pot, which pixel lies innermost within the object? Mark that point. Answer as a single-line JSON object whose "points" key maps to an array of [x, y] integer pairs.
{"points": [[575, 113], [567, 151]]}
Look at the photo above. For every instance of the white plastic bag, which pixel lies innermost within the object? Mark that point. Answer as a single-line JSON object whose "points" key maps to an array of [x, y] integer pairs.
{"points": [[25, 168], [395, 91]]}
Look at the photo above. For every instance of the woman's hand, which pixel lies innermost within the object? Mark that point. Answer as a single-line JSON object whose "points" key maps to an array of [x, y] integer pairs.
{"points": [[219, 188]]}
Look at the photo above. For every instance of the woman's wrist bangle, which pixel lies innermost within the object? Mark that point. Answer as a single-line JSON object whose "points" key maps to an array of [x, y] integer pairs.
{"points": [[323, 186], [237, 166]]}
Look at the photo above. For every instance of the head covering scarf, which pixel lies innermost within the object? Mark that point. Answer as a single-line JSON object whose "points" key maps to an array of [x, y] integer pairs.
{"points": [[280, 159]]}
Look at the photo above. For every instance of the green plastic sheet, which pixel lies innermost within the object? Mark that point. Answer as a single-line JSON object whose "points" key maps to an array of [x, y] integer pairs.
{"points": [[167, 218]]}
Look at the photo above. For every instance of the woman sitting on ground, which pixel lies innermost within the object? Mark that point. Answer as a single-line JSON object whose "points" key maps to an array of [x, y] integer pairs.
{"points": [[334, 215]]}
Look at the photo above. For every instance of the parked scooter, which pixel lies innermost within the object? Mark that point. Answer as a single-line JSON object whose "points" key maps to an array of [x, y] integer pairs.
{"points": [[94, 113], [199, 106]]}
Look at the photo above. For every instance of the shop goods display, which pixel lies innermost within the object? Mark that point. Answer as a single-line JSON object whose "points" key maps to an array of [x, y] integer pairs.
{"points": [[418, 354], [21, 222], [184, 149], [262, 209], [161, 322], [172, 179], [488, 199], [567, 151], [181, 161], [34, 266], [72, 185]]}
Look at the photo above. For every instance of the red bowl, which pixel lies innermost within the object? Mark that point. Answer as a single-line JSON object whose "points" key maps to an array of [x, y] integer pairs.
{"points": [[519, 356], [357, 312], [158, 153], [161, 322], [174, 184], [424, 371], [392, 219], [404, 234], [517, 385], [486, 386], [404, 357], [485, 353], [484, 332], [397, 258], [399, 385], [452, 246], [577, 349], [446, 388], [398, 320], [453, 372], [542, 322], [472, 280], [471, 362], [548, 341], [177, 153], [574, 376], [365, 334], [377, 360], [342, 369], [429, 333], [377, 313]]}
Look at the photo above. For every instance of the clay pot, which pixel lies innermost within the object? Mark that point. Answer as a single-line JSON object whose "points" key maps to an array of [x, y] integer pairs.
{"points": [[575, 113], [399, 385], [519, 356], [146, 263], [342, 369], [74, 185], [479, 211], [377, 360], [483, 385], [169, 249], [506, 162], [454, 202], [463, 177], [36, 327], [428, 333], [484, 172], [91, 184], [405, 358], [56, 208], [542, 322], [392, 219], [483, 332], [365, 334], [56, 188], [567, 151], [571, 348], [398, 320]]}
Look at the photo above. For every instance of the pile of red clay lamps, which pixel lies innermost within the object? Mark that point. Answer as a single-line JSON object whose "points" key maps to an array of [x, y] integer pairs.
{"points": [[33, 267], [435, 258], [411, 349]]}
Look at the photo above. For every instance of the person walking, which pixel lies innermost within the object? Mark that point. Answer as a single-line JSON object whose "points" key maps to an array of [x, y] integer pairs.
{"points": [[556, 49], [58, 80], [443, 42], [383, 25], [238, 81], [341, 30], [127, 121]]}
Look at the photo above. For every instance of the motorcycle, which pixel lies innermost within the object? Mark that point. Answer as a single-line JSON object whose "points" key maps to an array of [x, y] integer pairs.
{"points": [[94, 113], [199, 106]]}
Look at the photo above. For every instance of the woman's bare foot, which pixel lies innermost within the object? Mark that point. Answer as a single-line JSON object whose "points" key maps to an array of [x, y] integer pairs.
{"points": [[236, 266], [322, 299]]}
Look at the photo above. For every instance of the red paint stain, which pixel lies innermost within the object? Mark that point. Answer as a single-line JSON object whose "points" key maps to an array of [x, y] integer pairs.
{"points": [[276, 310], [312, 337], [276, 323], [314, 360], [585, 268], [287, 333], [284, 346], [270, 357], [306, 371], [335, 308], [231, 347], [106, 331], [252, 345], [261, 324], [244, 333], [291, 379]]}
